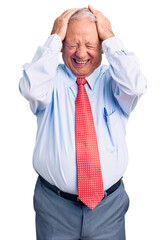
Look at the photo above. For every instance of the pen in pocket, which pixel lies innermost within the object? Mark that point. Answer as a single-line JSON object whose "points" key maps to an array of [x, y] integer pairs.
{"points": [[105, 113]]}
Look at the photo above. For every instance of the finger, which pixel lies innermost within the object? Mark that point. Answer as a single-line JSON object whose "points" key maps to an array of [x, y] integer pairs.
{"points": [[94, 11], [69, 12], [91, 9], [72, 12]]}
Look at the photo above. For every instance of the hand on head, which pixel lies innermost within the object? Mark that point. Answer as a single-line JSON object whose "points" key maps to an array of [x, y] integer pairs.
{"points": [[60, 24], [103, 24]]}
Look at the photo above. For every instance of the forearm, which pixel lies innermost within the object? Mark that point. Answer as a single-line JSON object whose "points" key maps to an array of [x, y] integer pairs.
{"points": [[128, 81], [36, 85]]}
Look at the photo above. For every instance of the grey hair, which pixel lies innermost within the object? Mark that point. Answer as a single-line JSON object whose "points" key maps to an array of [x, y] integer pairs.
{"points": [[83, 13]]}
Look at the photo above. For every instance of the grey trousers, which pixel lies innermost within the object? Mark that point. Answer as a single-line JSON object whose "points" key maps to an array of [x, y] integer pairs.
{"points": [[58, 218]]}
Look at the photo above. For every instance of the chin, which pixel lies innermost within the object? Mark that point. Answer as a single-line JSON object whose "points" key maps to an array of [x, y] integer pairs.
{"points": [[82, 73]]}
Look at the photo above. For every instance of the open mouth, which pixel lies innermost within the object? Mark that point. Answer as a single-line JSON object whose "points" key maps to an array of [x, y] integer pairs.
{"points": [[81, 62]]}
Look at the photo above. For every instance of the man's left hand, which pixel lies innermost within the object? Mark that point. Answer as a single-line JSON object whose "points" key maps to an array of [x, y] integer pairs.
{"points": [[103, 24]]}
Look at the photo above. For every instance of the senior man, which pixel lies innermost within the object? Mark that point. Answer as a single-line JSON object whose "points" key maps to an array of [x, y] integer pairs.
{"points": [[82, 108]]}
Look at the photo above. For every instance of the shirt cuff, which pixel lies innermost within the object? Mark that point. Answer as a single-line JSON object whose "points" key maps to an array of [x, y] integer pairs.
{"points": [[112, 45], [53, 42]]}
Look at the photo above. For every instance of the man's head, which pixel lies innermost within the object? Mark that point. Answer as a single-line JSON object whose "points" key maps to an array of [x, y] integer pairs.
{"points": [[82, 51]]}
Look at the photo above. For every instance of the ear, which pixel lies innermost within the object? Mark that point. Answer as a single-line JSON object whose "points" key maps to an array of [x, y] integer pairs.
{"points": [[62, 48], [102, 51]]}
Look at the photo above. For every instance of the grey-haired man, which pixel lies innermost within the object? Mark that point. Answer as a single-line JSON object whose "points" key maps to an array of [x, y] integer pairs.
{"points": [[82, 35]]}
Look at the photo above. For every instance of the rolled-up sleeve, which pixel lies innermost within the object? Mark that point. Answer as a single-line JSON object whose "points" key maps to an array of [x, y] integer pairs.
{"points": [[128, 82], [36, 85]]}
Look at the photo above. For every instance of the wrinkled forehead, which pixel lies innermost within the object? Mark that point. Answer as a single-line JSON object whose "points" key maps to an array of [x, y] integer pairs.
{"points": [[82, 28]]}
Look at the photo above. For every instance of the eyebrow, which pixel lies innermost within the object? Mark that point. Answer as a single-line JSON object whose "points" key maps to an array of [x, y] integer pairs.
{"points": [[69, 43], [91, 43], [88, 43]]}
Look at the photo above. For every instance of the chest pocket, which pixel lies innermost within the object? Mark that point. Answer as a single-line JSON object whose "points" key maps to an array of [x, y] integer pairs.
{"points": [[116, 128]]}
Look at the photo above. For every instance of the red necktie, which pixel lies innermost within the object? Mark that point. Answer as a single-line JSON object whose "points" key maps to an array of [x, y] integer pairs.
{"points": [[89, 174]]}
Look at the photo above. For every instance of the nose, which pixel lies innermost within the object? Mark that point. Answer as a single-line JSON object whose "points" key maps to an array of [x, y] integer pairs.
{"points": [[81, 52]]}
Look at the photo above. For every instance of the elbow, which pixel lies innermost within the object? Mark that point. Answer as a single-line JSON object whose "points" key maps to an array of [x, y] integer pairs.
{"points": [[140, 86], [24, 88], [137, 84]]}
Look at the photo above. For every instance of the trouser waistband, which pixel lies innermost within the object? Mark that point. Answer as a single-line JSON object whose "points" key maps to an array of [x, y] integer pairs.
{"points": [[74, 197]]}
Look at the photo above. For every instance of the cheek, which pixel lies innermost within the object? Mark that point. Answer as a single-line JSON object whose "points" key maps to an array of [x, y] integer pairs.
{"points": [[96, 54], [67, 55], [97, 58]]}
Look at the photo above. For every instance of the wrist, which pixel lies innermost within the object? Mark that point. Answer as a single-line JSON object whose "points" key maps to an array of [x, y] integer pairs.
{"points": [[52, 32], [54, 43], [57, 33], [107, 36]]}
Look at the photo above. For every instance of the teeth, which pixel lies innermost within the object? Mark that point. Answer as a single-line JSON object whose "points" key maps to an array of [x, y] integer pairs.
{"points": [[80, 62]]}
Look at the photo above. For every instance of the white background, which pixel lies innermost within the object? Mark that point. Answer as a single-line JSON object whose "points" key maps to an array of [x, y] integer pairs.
{"points": [[141, 26]]}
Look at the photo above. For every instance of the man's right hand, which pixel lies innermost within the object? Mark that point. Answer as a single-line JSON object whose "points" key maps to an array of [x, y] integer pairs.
{"points": [[60, 24]]}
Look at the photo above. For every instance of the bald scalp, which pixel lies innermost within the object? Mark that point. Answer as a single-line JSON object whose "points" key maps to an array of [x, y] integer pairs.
{"points": [[83, 13]]}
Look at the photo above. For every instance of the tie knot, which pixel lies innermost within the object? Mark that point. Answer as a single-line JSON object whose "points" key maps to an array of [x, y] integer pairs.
{"points": [[81, 81]]}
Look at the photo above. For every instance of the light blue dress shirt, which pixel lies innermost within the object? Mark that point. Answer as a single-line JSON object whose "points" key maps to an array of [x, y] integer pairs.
{"points": [[51, 89]]}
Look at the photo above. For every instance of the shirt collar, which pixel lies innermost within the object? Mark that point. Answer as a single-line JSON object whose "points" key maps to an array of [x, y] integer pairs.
{"points": [[91, 79]]}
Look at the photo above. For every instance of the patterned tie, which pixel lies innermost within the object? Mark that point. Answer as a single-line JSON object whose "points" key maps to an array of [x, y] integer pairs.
{"points": [[89, 174]]}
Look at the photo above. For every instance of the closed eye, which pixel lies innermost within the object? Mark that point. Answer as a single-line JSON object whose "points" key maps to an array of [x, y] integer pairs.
{"points": [[71, 45], [90, 46]]}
